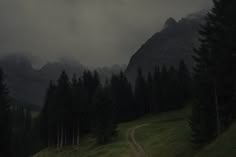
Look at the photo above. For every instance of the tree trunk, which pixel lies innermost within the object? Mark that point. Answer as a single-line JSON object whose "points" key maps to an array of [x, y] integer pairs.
{"points": [[65, 136], [77, 138], [58, 136], [62, 137], [73, 135], [77, 141], [48, 143], [218, 123]]}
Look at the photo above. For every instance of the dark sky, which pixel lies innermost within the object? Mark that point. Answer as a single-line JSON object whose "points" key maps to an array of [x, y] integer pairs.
{"points": [[95, 32]]}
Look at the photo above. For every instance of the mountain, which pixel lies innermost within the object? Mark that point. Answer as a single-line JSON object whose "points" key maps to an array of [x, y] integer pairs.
{"points": [[107, 72], [29, 85], [173, 43]]}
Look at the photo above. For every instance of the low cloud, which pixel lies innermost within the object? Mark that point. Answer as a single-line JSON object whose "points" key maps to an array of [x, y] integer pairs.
{"points": [[94, 32]]}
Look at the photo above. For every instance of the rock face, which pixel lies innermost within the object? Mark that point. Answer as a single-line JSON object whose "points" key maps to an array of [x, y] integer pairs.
{"points": [[170, 23], [174, 43]]}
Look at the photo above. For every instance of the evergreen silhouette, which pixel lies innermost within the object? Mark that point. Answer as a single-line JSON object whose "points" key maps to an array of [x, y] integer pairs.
{"points": [[5, 134], [105, 116], [140, 94], [83, 105], [215, 72], [122, 96]]}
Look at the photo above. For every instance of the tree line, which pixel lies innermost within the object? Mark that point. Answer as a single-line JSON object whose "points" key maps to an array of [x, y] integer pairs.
{"points": [[83, 105], [19, 132]]}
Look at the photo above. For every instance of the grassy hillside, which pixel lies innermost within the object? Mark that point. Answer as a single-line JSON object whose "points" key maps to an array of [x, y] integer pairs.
{"points": [[166, 139], [166, 131], [224, 146], [166, 135]]}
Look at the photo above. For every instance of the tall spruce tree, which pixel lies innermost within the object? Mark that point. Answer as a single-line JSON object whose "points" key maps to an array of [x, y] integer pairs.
{"points": [[63, 105], [185, 83], [215, 72], [122, 96], [156, 91], [5, 134], [45, 115], [105, 128], [76, 109], [140, 94], [173, 90], [165, 88], [150, 89]]}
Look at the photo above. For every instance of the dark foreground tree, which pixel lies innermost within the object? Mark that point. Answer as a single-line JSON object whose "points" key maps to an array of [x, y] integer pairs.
{"points": [[21, 124], [5, 131], [155, 93], [184, 83], [215, 72], [141, 94], [122, 97], [45, 119]]}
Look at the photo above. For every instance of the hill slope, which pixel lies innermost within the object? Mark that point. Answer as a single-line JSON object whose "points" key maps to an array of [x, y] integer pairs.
{"points": [[224, 146], [165, 135], [155, 134]]}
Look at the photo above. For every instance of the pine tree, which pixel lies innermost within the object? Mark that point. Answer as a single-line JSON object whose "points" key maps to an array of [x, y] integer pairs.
{"points": [[150, 89], [45, 115], [4, 119], [105, 121], [173, 90], [64, 105], [122, 97], [165, 88], [185, 82], [27, 132], [18, 126], [156, 91], [140, 93], [76, 109], [215, 70], [90, 84]]}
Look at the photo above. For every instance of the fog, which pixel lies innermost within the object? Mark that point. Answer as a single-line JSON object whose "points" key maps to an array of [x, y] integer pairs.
{"points": [[94, 32]]}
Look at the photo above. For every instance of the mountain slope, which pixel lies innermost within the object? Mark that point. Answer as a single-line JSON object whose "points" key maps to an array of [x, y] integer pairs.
{"points": [[174, 43], [29, 85]]}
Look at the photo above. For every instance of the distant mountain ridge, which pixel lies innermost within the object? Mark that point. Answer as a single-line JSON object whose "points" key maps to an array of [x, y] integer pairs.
{"points": [[172, 44], [29, 85]]}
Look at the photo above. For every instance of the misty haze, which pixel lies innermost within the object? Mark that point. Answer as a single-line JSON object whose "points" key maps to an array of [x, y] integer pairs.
{"points": [[117, 78], [96, 33]]}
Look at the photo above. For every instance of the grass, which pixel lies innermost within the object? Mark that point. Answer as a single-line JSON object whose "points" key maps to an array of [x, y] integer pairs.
{"points": [[164, 129], [223, 146], [88, 148], [168, 135]]}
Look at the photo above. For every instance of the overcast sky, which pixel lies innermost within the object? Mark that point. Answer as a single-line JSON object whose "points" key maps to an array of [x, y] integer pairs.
{"points": [[94, 32]]}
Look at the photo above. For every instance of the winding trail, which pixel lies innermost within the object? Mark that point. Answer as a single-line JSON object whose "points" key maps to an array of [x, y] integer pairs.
{"points": [[137, 149]]}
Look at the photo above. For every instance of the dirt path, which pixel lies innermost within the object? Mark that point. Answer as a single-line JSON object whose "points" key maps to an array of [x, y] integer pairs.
{"points": [[137, 149]]}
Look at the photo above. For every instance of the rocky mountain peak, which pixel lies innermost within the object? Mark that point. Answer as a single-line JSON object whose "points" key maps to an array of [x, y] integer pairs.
{"points": [[170, 22]]}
